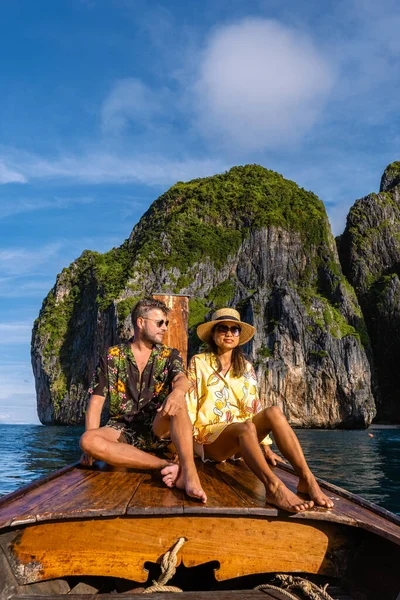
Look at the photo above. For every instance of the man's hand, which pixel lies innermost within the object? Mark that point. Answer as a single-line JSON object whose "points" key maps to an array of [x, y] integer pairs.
{"points": [[86, 459], [173, 403], [272, 458]]}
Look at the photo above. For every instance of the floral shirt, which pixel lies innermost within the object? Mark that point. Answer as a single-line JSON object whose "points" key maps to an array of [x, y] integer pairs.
{"points": [[117, 378], [216, 400]]}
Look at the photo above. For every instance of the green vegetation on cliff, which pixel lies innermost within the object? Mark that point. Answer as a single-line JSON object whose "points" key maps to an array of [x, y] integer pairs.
{"points": [[391, 176], [199, 222], [94, 279], [192, 222], [210, 217]]}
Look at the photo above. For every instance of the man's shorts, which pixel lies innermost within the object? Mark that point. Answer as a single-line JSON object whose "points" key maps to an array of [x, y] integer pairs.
{"points": [[140, 436]]}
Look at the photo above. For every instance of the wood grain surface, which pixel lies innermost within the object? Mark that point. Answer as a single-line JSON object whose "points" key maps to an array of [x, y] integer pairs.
{"points": [[119, 547], [178, 316], [232, 489]]}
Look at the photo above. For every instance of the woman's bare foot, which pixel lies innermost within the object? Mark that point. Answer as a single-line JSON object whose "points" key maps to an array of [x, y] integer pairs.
{"points": [[191, 484], [308, 485], [173, 476], [281, 497]]}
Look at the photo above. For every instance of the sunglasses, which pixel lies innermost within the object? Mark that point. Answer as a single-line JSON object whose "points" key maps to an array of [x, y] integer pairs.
{"points": [[157, 322], [235, 329]]}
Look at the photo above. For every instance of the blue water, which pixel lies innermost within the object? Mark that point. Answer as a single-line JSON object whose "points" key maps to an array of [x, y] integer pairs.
{"points": [[368, 466]]}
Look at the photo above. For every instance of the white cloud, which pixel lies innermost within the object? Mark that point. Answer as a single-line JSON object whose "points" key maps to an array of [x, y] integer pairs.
{"points": [[18, 261], [131, 100], [17, 332], [260, 85], [18, 408], [8, 175], [13, 287], [15, 377], [25, 205], [98, 168], [17, 392]]}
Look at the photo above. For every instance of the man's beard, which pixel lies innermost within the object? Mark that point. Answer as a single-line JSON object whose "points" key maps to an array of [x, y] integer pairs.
{"points": [[152, 339]]}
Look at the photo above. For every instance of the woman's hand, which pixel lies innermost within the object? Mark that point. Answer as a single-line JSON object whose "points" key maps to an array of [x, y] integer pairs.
{"points": [[272, 458]]}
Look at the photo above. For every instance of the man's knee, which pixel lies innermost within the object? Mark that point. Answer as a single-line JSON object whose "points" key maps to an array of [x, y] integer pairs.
{"points": [[87, 441]]}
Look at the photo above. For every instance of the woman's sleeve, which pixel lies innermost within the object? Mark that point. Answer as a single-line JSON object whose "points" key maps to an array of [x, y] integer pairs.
{"points": [[192, 395], [267, 440]]}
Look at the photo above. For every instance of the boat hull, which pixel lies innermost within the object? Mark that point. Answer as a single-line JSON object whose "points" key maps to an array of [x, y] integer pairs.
{"points": [[114, 524]]}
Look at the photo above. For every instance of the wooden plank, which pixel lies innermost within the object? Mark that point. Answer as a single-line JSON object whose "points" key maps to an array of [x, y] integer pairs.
{"points": [[153, 497], [178, 317], [318, 513], [119, 547], [22, 491], [351, 509], [106, 493], [370, 521], [247, 486], [24, 508], [221, 497], [9, 586], [338, 491]]}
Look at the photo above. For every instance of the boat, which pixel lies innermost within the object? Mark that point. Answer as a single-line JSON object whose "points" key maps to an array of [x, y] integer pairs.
{"points": [[103, 531], [88, 530]]}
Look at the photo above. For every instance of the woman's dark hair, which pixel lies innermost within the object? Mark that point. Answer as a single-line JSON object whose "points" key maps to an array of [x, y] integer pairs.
{"points": [[238, 360]]}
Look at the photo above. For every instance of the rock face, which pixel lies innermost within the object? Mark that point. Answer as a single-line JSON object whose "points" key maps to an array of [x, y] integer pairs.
{"points": [[370, 255], [247, 238]]}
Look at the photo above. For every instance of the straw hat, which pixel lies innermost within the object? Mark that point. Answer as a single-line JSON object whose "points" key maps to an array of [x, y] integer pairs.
{"points": [[226, 315]]}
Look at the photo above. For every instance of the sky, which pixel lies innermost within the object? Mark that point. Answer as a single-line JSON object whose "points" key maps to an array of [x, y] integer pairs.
{"points": [[104, 104]]}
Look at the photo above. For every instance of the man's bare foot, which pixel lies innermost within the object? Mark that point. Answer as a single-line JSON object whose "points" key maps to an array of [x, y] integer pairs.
{"points": [[173, 476], [281, 497], [309, 485], [170, 474]]}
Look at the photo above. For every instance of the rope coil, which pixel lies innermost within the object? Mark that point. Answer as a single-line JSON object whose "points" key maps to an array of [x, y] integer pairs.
{"points": [[168, 570], [308, 588], [288, 582]]}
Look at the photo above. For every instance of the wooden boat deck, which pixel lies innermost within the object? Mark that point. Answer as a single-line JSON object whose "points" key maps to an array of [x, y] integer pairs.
{"points": [[232, 490], [106, 522]]}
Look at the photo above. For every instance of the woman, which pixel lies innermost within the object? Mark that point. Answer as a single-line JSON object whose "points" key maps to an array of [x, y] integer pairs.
{"points": [[228, 419]]}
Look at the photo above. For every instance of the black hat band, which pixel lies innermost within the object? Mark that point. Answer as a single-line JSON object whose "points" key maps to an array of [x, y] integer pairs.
{"points": [[226, 318]]}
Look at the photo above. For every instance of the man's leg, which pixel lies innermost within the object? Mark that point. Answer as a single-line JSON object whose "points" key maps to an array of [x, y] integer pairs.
{"points": [[103, 444], [273, 419], [184, 476], [242, 438]]}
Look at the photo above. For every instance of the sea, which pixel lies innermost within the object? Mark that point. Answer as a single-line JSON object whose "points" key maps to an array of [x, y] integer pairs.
{"points": [[364, 462]]}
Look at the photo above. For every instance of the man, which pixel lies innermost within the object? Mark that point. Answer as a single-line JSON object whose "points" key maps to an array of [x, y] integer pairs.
{"points": [[146, 386]]}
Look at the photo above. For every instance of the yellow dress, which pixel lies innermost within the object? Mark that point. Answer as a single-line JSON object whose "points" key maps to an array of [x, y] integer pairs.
{"points": [[216, 400]]}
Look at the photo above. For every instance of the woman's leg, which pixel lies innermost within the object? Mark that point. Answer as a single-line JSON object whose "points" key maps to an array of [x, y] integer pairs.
{"points": [[273, 419], [243, 438]]}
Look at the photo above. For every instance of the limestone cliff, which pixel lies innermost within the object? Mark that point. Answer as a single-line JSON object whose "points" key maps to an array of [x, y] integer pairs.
{"points": [[247, 238], [370, 254]]}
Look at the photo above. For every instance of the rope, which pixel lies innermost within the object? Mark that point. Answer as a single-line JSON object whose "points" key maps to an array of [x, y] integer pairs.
{"points": [[268, 586], [168, 570], [308, 588], [288, 582]]}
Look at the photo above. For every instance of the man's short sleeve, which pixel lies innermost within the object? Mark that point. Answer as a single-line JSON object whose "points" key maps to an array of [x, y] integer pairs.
{"points": [[175, 364], [99, 385]]}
